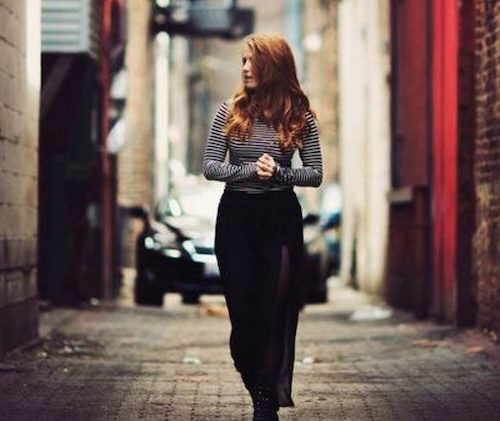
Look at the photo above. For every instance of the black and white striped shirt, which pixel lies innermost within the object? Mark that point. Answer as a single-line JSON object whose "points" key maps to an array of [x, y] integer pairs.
{"points": [[240, 173]]}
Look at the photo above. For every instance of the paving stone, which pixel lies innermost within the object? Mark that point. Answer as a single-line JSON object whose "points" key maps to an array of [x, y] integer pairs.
{"points": [[113, 362]]}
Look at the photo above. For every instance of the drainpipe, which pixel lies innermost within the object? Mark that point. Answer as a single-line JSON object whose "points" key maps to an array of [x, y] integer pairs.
{"points": [[294, 20], [105, 287], [162, 97]]}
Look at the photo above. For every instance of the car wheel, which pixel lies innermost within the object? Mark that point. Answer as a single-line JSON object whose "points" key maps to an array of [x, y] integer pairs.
{"points": [[190, 298], [147, 293]]}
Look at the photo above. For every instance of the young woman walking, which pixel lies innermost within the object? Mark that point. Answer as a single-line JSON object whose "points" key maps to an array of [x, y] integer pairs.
{"points": [[259, 231]]}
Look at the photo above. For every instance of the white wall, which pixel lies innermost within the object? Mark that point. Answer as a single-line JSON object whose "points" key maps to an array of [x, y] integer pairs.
{"points": [[364, 138]]}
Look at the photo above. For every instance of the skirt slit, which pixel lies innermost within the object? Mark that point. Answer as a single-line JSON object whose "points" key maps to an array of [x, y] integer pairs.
{"points": [[259, 248]]}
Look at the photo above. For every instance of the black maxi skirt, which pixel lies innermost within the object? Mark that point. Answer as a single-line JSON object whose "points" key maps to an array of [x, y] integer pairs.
{"points": [[259, 247]]}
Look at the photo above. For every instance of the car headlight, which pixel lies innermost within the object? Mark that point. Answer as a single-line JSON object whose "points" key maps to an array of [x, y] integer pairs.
{"points": [[189, 247], [175, 249], [155, 242], [151, 244], [165, 241], [202, 252]]}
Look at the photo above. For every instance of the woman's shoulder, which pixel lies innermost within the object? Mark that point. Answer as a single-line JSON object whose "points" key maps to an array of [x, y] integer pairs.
{"points": [[310, 120], [310, 115], [222, 110], [225, 106]]}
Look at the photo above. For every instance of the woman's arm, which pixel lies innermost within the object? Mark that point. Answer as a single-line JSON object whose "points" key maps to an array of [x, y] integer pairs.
{"points": [[311, 173], [214, 167]]}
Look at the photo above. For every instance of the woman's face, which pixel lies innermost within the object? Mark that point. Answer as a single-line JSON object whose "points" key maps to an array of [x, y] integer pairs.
{"points": [[247, 72]]}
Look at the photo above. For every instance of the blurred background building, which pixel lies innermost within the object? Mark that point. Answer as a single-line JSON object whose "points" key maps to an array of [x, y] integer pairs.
{"points": [[443, 261], [82, 45], [364, 137], [106, 106]]}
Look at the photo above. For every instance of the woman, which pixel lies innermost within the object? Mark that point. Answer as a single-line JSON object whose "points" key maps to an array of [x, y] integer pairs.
{"points": [[258, 239]]}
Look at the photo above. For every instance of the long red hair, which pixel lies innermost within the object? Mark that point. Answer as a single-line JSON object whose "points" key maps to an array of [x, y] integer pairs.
{"points": [[278, 99]]}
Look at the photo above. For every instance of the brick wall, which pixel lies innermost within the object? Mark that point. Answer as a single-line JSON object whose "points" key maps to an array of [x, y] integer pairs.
{"points": [[19, 85], [135, 161], [487, 164], [321, 83]]}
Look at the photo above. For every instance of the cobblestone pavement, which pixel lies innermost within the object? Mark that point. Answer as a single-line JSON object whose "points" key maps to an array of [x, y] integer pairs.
{"points": [[113, 362]]}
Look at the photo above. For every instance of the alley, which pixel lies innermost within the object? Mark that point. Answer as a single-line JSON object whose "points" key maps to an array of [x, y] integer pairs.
{"points": [[111, 112], [118, 362]]}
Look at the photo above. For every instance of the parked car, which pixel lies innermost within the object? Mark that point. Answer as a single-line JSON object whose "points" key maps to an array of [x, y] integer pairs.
{"points": [[175, 250], [316, 264]]}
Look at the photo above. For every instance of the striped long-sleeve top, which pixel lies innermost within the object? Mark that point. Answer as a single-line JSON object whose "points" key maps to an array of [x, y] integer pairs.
{"points": [[241, 172]]}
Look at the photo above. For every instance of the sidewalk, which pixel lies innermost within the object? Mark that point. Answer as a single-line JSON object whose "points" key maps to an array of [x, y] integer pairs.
{"points": [[356, 360]]}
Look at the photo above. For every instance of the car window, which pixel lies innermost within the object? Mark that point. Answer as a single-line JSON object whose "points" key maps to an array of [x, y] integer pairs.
{"points": [[202, 203], [198, 202]]}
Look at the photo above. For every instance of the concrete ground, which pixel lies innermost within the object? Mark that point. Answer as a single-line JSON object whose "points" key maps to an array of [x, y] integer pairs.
{"points": [[356, 360]]}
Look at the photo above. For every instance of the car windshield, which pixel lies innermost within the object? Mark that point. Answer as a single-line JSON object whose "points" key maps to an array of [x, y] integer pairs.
{"points": [[198, 201]]}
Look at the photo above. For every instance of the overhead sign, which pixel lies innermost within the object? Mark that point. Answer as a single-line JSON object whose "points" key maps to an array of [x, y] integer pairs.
{"points": [[203, 18]]}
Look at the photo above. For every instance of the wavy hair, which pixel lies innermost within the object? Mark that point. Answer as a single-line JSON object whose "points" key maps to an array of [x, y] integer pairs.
{"points": [[278, 98]]}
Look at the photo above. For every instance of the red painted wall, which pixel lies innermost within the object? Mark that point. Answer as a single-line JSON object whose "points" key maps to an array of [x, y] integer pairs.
{"points": [[424, 156], [444, 163], [408, 283], [410, 29]]}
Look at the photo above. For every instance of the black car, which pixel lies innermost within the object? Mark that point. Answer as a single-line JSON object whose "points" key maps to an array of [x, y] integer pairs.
{"points": [[175, 250], [317, 262]]}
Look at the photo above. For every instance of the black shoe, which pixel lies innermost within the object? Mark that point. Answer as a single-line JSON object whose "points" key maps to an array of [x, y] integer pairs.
{"points": [[265, 404]]}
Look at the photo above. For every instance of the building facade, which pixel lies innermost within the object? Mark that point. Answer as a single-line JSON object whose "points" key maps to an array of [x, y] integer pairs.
{"points": [[486, 169], [444, 236], [77, 175], [19, 101], [321, 77], [135, 169], [364, 138], [408, 280]]}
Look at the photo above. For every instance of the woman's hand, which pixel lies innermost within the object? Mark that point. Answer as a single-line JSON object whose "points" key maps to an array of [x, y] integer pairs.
{"points": [[265, 167]]}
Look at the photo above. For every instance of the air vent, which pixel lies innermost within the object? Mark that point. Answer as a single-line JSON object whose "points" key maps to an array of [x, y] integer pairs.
{"points": [[71, 26]]}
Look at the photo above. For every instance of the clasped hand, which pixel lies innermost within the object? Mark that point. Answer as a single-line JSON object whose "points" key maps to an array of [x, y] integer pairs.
{"points": [[265, 167]]}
